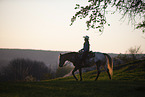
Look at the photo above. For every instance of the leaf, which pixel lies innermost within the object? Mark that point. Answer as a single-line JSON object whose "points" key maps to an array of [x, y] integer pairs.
{"points": [[100, 30], [77, 5], [101, 23], [92, 26], [82, 7]]}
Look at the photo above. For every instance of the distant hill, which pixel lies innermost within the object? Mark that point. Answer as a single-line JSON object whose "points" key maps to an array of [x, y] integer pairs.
{"points": [[50, 58]]}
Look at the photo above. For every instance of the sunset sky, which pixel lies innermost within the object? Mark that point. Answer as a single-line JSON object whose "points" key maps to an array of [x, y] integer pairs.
{"points": [[45, 25]]}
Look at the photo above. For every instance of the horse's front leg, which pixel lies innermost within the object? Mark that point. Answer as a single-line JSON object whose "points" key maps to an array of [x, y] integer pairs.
{"points": [[75, 69], [80, 72]]}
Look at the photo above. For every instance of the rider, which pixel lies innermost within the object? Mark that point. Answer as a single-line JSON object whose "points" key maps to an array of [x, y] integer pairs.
{"points": [[85, 49]]}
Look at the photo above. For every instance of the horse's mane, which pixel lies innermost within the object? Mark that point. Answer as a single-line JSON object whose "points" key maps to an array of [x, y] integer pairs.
{"points": [[70, 53]]}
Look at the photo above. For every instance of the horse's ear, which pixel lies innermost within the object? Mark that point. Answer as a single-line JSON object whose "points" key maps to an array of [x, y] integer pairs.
{"points": [[60, 54]]}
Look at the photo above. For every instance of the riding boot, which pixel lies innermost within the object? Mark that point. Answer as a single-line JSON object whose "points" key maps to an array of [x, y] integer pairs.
{"points": [[84, 58], [83, 63]]}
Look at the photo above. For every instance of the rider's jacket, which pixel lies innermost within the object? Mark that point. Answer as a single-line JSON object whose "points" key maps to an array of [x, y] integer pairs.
{"points": [[86, 46]]}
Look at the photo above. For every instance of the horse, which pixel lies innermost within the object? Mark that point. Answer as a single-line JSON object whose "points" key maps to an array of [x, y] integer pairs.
{"points": [[99, 59]]}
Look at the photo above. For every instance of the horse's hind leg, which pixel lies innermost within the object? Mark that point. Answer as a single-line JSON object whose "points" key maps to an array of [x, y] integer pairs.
{"points": [[75, 69], [98, 72], [107, 70], [108, 73]]}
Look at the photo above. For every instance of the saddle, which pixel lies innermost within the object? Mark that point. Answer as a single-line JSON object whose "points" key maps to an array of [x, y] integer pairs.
{"points": [[89, 55], [87, 58]]}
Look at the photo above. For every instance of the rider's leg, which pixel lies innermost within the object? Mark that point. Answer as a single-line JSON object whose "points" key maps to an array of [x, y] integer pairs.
{"points": [[84, 58]]}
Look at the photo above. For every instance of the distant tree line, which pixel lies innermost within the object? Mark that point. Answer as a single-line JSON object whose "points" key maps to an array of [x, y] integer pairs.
{"points": [[24, 70], [29, 70], [132, 54]]}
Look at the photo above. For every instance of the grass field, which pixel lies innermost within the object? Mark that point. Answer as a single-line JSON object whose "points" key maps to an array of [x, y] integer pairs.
{"points": [[128, 81]]}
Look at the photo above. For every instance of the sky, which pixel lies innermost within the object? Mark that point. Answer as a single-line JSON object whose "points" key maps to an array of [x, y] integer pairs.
{"points": [[45, 25]]}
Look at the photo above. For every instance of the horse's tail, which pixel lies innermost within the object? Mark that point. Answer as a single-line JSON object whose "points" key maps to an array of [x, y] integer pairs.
{"points": [[110, 64]]}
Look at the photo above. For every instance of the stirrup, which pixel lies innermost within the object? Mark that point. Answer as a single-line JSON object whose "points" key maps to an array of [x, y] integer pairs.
{"points": [[83, 64]]}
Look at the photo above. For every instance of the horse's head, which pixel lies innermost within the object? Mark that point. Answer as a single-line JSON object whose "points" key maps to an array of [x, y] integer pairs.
{"points": [[61, 60]]}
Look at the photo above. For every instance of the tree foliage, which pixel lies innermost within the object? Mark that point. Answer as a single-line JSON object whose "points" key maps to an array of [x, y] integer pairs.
{"points": [[97, 9], [132, 54], [24, 69], [134, 51]]}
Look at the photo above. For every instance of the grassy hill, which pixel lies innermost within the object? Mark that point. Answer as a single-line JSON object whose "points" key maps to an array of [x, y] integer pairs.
{"points": [[128, 81], [131, 71]]}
